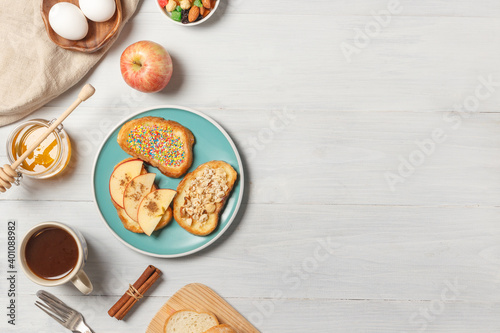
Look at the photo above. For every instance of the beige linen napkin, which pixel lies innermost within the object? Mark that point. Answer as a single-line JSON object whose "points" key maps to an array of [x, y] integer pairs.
{"points": [[33, 70]]}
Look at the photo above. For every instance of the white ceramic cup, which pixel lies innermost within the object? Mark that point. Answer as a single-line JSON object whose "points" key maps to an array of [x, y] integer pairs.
{"points": [[77, 276]]}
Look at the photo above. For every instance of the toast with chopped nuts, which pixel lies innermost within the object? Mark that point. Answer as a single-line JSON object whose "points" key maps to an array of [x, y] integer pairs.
{"points": [[165, 144], [133, 226], [201, 195]]}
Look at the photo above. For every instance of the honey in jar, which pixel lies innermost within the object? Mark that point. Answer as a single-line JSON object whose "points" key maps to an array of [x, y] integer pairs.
{"points": [[49, 158]]}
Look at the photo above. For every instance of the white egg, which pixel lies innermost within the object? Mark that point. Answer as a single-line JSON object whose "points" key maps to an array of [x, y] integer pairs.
{"points": [[68, 21], [98, 10]]}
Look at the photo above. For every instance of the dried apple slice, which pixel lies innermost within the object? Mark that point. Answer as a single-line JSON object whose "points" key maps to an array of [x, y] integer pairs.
{"points": [[152, 208], [123, 173], [135, 191]]}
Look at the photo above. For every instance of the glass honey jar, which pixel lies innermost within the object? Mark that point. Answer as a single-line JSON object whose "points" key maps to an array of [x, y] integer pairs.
{"points": [[49, 159]]}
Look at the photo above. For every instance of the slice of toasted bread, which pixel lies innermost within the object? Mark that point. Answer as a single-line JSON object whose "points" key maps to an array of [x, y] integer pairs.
{"points": [[201, 195], [221, 329], [187, 321], [133, 226], [165, 144]]}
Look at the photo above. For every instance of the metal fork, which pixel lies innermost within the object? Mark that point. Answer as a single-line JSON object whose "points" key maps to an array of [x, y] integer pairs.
{"points": [[63, 314]]}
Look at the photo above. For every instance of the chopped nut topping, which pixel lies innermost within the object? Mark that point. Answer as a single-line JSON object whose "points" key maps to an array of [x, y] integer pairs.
{"points": [[210, 208], [202, 195]]}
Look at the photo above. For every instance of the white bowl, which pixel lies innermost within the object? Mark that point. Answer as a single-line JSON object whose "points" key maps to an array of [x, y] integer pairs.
{"points": [[167, 15]]}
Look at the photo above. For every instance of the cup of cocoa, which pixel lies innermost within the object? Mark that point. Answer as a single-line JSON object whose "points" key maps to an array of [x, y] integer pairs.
{"points": [[52, 254]]}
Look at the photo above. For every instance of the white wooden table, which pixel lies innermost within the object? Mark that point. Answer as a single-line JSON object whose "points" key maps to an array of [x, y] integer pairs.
{"points": [[360, 143]]}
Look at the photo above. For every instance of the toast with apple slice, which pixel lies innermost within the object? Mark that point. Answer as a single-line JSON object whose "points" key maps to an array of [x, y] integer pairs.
{"points": [[134, 226], [153, 207], [201, 195], [165, 144]]}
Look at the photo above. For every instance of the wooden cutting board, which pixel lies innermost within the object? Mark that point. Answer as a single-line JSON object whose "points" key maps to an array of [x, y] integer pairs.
{"points": [[201, 298]]}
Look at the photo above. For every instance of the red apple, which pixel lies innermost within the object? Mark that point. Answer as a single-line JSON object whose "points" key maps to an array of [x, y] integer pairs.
{"points": [[146, 66]]}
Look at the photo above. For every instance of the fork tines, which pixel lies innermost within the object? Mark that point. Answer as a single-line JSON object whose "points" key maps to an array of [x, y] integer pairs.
{"points": [[54, 307], [51, 311]]}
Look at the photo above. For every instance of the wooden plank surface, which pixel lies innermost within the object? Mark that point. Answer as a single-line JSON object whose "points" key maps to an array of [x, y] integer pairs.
{"points": [[348, 158], [361, 252], [372, 195], [415, 64]]}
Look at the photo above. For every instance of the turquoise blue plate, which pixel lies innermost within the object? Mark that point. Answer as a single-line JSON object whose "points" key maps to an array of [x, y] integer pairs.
{"points": [[212, 143]]}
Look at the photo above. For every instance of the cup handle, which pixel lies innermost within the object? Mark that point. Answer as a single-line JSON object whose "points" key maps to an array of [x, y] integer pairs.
{"points": [[82, 283]]}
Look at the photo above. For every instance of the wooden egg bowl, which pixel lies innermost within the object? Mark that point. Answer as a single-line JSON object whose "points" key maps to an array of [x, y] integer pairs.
{"points": [[100, 33]]}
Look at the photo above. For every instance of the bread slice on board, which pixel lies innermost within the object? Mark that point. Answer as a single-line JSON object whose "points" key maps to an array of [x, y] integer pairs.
{"points": [[187, 321], [221, 329], [133, 226], [165, 144], [201, 195]]}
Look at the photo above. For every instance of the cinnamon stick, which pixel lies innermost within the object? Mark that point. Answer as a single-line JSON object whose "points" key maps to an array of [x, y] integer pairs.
{"points": [[125, 303], [118, 305], [131, 301]]}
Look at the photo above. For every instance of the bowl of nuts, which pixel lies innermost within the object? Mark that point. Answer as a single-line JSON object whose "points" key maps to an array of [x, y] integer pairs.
{"points": [[188, 12]]}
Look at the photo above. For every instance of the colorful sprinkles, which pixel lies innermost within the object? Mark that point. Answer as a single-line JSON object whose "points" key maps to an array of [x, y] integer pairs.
{"points": [[157, 143]]}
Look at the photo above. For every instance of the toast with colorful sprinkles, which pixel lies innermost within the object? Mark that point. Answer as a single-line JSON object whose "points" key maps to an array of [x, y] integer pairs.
{"points": [[164, 144]]}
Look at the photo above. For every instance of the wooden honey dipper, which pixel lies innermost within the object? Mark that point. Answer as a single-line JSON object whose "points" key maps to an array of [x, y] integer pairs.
{"points": [[8, 173]]}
